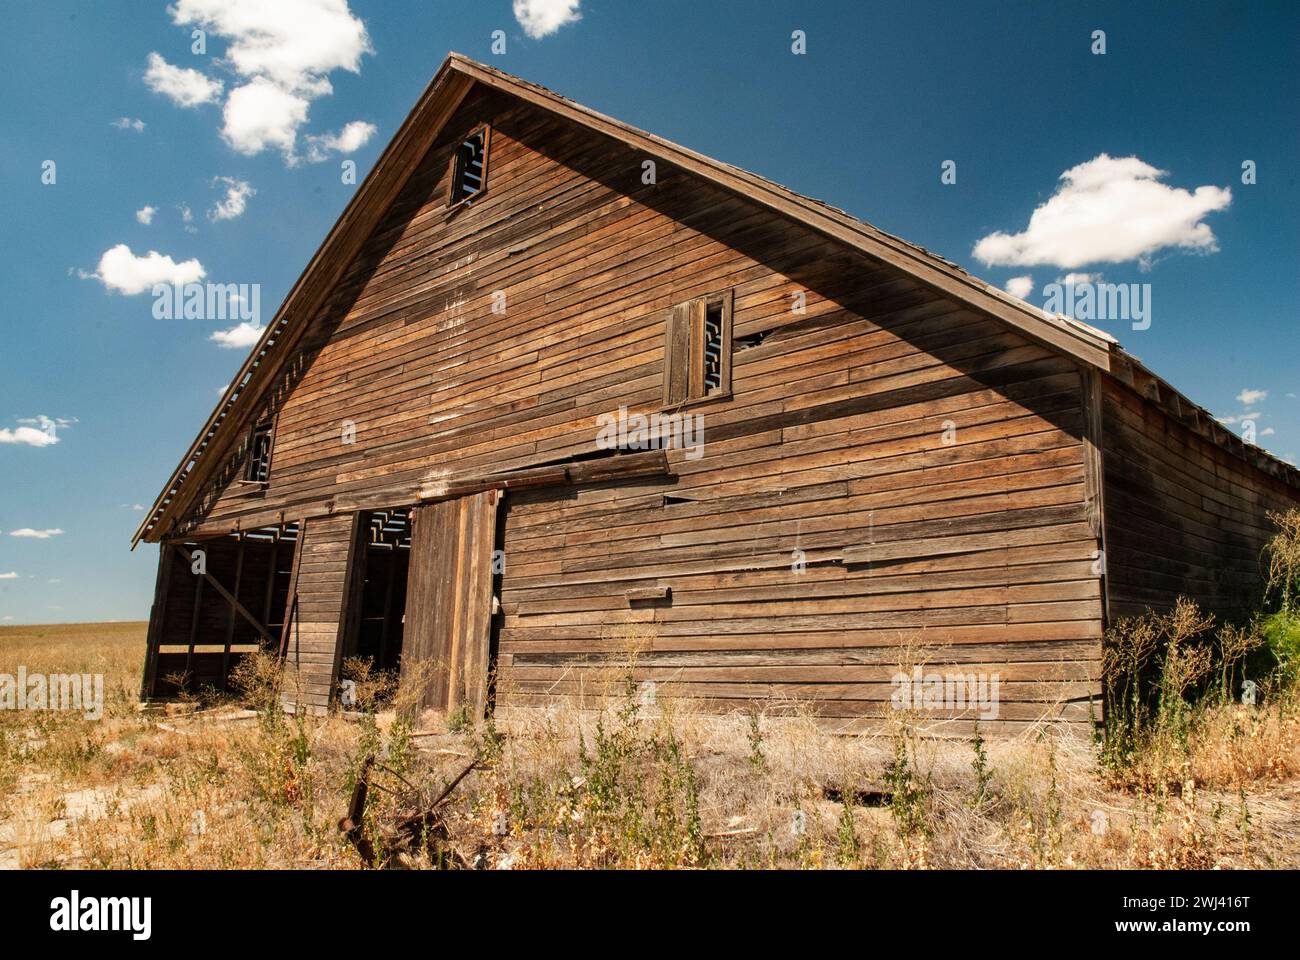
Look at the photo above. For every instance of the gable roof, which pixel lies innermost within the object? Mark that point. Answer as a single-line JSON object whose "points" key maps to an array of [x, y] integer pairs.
{"points": [[445, 92]]}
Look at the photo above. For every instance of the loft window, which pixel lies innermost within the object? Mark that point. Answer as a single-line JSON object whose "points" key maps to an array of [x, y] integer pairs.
{"points": [[469, 167], [258, 467], [713, 346], [697, 349]]}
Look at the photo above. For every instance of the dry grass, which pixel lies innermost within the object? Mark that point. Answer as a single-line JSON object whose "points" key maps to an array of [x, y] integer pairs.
{"points": [[618, 783]]}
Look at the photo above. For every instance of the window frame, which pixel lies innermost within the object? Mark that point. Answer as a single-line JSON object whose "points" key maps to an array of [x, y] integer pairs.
{"points": [[455, 172], [684, 355], [251, 461]]}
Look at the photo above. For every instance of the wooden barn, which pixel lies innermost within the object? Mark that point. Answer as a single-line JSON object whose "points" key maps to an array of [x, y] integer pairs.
{"points": [[556, 397]]}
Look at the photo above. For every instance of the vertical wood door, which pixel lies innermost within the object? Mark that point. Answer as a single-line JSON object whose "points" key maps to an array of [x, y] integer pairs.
{"points": [[313, 646], [449, 601]]}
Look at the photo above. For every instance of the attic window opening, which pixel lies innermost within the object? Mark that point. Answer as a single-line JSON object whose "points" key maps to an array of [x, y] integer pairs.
{"points": [[257, 469], [713, 347], [698, 348], [469, 168]]}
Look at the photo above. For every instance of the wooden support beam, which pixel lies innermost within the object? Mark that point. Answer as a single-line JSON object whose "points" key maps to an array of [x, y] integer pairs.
{"points": [[619, 467], [194, 622], [216, 585], [271, 574], [157, 617], [648, 464], [1095, 469], [230, 621]]}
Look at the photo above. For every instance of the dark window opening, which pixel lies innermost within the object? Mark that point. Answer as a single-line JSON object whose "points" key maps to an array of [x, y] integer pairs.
{"points": [[258, 467], [713, 347], [469, 168], [383, 562], [698, 349], [669, 500]]}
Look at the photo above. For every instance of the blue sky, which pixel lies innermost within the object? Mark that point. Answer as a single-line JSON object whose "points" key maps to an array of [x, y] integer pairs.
{"points": [[865, 118]]}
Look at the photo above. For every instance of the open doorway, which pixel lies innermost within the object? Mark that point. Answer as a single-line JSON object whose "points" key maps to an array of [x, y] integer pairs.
{"points": [[380, 569], [420, 606], [217, 600]]}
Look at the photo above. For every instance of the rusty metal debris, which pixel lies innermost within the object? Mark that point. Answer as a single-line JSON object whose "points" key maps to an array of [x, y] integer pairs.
{"points": [[397, 841]]}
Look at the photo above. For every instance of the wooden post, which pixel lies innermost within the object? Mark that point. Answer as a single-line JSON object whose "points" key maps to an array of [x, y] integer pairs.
{"points": [[230, 622], [194, 616], [157, 618], [271, 574]]}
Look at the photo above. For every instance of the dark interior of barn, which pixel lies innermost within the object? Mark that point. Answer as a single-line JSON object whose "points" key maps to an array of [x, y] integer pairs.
{"points": [[380, 572], [221, 599]]}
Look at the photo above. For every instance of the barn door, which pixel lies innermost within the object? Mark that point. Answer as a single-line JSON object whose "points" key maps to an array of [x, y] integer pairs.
{"points": [[449, 601]]}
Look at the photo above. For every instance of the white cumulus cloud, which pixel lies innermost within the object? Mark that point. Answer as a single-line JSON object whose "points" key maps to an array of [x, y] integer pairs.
{"points": [[183, 86], [283, 53], [37, 431], [293, 43], [145, 214], [126, 123], [1248, 397], [29, 436], [260, 115], [35, 534], [1109, 210], [1021, 287], [541, 18], [350, 139], [121, 270], [235, 202], [240, 336]]}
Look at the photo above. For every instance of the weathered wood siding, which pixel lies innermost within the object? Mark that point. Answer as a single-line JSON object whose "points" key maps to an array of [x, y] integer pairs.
{"points": [[326, 547], [449, 601], [833, 442], [1183, 515], [741, 622]]}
